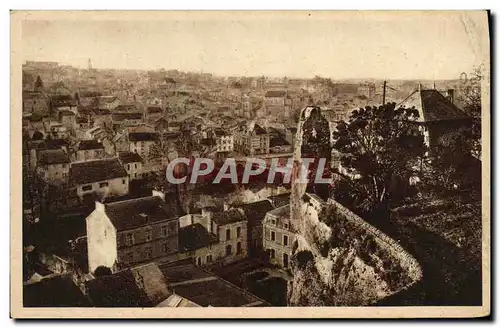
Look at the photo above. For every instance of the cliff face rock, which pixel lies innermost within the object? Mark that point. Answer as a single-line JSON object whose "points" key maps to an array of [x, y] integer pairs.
{"points": [[339, 259]]}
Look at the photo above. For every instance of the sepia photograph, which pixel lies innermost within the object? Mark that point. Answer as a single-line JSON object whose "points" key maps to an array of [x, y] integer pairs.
{"points": [[250, 164]]}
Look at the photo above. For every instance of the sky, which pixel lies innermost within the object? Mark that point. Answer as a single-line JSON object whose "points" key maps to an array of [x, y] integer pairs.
{"points": [[396, 45]]}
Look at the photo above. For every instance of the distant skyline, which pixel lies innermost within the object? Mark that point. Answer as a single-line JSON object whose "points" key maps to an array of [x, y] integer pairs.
{"points": [[339, 45]]}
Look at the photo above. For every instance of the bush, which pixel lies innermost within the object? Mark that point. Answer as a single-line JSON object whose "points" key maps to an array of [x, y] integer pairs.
{"points": [[302, 258]]}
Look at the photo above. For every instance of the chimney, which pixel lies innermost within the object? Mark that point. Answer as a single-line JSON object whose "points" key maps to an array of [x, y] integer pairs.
{"points": [[100, 207], [157, 193], [451, 95]]}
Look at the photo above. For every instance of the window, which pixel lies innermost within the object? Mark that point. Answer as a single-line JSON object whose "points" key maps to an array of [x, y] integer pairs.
{"points": [[238, 232], [164, 231], [285, 225], [103, 185], [228, 234], [129, 239], [148, 252], [164, 248], [135, 166], [87, 188], [285, 260], [238, 248], [123, 181], [209, 258], [273, 222], [128, 167], [273, 253], [198, 261], [285, 240], [273, 236], [149, 235], [228, 250]]}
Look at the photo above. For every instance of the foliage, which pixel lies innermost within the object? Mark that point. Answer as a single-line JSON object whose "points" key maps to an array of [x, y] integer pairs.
{"points": [[471, 100], [101, 271], [382, 145], [38, 83]]}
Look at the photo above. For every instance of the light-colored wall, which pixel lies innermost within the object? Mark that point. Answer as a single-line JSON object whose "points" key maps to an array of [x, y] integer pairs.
{"points": [[134, 170], [90, 154], [116, 187], [220, 250], [101, 240]]}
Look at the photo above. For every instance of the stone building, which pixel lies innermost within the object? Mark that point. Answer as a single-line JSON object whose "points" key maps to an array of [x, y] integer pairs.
{"points": [[279, 236], [131, 232]]}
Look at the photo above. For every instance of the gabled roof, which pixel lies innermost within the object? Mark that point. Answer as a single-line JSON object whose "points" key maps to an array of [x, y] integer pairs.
{"points": [[256, 211], [280, 200], [195, 236], [275, 93], [432, 106], [129, 157], [278, 141], [55, 291], [90, 144], [52, 156], [129, 108], [229, 216], [258, 130], [142, 286], [95, 171], [143, 136], [134, 213]]}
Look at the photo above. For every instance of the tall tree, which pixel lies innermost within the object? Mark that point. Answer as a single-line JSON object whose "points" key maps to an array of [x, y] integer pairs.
{"points": [[470, 97], [383, 146], [38, 83]]}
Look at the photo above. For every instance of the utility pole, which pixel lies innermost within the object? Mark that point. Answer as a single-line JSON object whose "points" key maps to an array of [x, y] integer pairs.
{"points": [[383, 93]]}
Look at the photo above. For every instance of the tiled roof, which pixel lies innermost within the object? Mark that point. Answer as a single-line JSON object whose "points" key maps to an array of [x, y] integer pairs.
{"points": [[52, 156], [129, 108], [142, 286], [275, 93], [206, 289], [227, 217], [432, 106], [256, 211], [143, 136], [129, 157], [95, 171], [57, 291], [195, 236], [133, 213], [90, 144]]}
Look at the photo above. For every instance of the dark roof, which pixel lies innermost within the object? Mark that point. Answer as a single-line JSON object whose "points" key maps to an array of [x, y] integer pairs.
{"points": [[129, 108], [169, 80], [126, 116], [143, 136], [57, 291], [56, 143], [195, 236], [292, 129], [101, 111], [142, 286], [52, 156], [66, 113], [278, 141], [129, 157], [154, 109], [90, 144], [257, 129], [256, 211], [95, 171], [206, 289], [434, 106], [280, 200], [275, 93], [133, 213], [229, 216]]}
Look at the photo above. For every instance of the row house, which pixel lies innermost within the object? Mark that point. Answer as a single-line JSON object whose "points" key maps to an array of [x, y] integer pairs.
{"points": [[122, 120], [88, 150], [279, 237], [132, 162], [102, 117], [102, 178], [142, 142], [53, 166], [68, 119], [62, 102], [132, 232], [224, 141]]}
